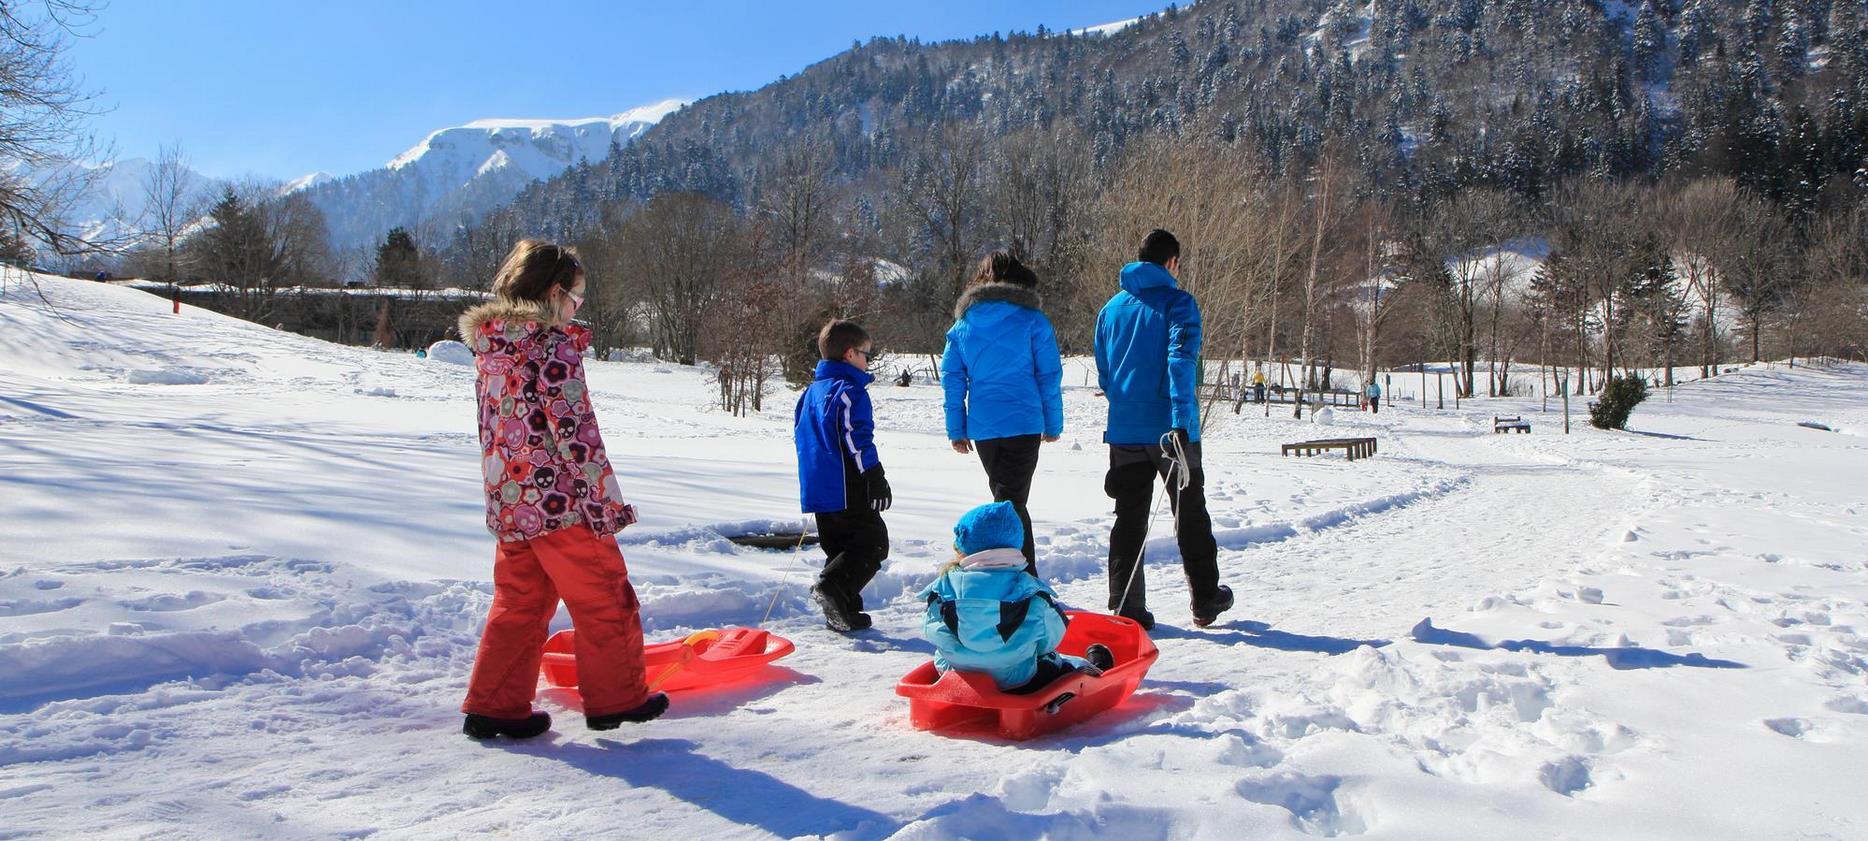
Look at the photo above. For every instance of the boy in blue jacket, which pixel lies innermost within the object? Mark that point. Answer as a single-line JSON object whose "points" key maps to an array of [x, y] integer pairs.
{"points": [[987, 614], [840, 478], [1148, 363]]}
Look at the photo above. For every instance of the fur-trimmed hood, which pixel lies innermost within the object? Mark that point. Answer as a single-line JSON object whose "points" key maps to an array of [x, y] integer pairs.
{"points": [[501, 309], [517, 320], [1010, 293]]}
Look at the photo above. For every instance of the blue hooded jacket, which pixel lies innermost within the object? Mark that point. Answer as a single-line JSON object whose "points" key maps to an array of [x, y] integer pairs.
{"points": [[833, 423], [1148, 357], [1001, 371], [989, 615]]}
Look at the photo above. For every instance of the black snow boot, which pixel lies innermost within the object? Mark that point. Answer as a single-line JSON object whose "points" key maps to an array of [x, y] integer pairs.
{"points": [[1204, 614], [646, 711], [839, 614], [486, 726], [1100, 656], [1141, 617]]}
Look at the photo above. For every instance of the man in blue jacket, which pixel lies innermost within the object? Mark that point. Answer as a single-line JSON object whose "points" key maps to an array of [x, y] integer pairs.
{"points": [[1148, 363], [840, 478]]}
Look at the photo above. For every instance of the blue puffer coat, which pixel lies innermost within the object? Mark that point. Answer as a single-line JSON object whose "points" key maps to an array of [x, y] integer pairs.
{"points": [[1148, 357], [833, 422], [1001, 370], [990, 615]]}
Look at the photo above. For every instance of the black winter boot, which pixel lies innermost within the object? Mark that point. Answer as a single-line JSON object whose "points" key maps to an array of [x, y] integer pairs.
{"points": [[1204, 614], [839, 614], [486, 726], [648, 710]]}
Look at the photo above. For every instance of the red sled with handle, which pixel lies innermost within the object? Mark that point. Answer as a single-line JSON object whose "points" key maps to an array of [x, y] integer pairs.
{"points": [[961, 700], [703, 660]]}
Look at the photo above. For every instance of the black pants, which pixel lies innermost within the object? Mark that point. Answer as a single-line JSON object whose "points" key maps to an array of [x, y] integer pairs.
{"points": [[1010, 463], [1131, 483], [855, 541], [1375, 405]]}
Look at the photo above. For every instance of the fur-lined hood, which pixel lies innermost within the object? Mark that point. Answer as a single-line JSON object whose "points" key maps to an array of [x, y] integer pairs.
{"points": [[1010, 293], [519, 319]]}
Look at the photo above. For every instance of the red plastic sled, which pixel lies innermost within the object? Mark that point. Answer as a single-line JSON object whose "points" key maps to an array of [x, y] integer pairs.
{"points": [[958, 699], [704, 660]]}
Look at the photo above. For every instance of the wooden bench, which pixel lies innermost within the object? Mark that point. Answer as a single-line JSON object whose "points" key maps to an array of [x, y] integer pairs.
{"points": [[1510, 424], [1355, 448]]}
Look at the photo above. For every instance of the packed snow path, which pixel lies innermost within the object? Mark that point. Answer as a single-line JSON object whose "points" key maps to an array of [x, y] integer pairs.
{"points": [[242, 575]]}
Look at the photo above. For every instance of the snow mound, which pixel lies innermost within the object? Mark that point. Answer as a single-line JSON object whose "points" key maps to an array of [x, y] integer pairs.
{"points": [[166, 376], [450, 352]]}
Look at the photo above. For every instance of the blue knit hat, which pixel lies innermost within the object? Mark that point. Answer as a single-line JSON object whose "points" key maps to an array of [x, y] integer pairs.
{"points": [[994, 525]]}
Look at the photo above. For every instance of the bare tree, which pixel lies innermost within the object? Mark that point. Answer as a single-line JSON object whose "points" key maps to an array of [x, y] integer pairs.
{"points": [[1458, 246], [255, 247], [1697, 221], [1757, 269], [683, 247], [172, 203], [43, 112], [1375, 296]]}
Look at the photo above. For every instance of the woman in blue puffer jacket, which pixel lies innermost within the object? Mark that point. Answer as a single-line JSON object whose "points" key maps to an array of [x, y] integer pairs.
{"points": [[1004, 381]]}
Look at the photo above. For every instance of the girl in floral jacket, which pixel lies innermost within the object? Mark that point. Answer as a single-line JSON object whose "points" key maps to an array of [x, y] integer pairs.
{"points": [[553, 502]]}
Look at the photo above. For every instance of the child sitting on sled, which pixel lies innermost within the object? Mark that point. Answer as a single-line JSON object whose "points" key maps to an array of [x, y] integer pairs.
{"points": [[987, 614]]}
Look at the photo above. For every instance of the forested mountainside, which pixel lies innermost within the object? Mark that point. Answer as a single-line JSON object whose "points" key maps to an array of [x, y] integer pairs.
{"points": [[1430, 96], [921, 156]]}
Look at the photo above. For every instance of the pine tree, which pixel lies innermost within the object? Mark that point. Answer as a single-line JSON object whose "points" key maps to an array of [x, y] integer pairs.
{"points": [[399, 262], [1650, 43], [1793, 46]]}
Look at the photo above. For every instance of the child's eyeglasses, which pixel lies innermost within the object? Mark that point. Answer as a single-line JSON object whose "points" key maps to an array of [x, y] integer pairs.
{"points": [[577, 301]]}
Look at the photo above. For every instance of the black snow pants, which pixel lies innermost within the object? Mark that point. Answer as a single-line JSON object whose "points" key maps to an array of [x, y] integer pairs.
{"points": [[1010, 463], [1131, 483]]}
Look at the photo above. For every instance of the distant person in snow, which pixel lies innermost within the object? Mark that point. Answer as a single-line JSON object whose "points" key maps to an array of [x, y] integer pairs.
{"points": [[840, 478], [1003, 380], [986, 613], [553, 502], [1258, 382], [1148, 363], [1373, 393]]}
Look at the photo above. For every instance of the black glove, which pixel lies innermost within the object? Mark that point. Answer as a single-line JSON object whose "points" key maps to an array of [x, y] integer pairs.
{"points": [[1178, 436], [880, 497]]}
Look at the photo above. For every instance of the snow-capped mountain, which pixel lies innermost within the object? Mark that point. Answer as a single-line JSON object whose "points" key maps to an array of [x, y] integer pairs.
{"points": [[107, 202], [457, 174]]}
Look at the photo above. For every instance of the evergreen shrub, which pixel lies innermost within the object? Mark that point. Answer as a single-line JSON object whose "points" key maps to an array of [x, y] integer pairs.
{"points": [[1618, 399]]}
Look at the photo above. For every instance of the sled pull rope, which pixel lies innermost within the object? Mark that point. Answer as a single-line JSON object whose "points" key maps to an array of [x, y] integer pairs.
{"points": [[1179, 477], [797, 553]]}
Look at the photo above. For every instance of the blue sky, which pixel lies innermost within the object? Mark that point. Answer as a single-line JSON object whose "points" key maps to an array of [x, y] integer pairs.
{"points": [[280, 89]]}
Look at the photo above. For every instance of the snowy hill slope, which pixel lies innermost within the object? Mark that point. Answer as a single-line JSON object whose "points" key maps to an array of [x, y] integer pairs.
{"points": [[242, 573], [457, 174]]}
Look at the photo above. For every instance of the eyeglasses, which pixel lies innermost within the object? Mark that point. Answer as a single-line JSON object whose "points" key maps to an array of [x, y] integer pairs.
{"points": [[867, 354], [577, 301]]}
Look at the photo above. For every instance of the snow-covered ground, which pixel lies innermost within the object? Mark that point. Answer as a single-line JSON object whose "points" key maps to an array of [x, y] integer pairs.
{"points": [[242, 574]]}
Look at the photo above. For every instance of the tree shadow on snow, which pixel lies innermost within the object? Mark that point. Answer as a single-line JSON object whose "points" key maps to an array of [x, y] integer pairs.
{"points": [[1667, 435], [1618, 657], [1262, 635], [740, 795]]}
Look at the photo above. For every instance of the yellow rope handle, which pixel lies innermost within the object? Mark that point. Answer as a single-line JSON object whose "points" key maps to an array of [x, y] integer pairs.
{"points": [[692, 640]]}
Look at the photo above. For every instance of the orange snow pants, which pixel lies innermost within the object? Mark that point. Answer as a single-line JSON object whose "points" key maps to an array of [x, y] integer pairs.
{"points": [[529, 577]]}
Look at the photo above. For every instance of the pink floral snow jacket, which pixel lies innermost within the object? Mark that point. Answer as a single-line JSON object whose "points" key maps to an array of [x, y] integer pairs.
{"points": [[543, 457]]}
